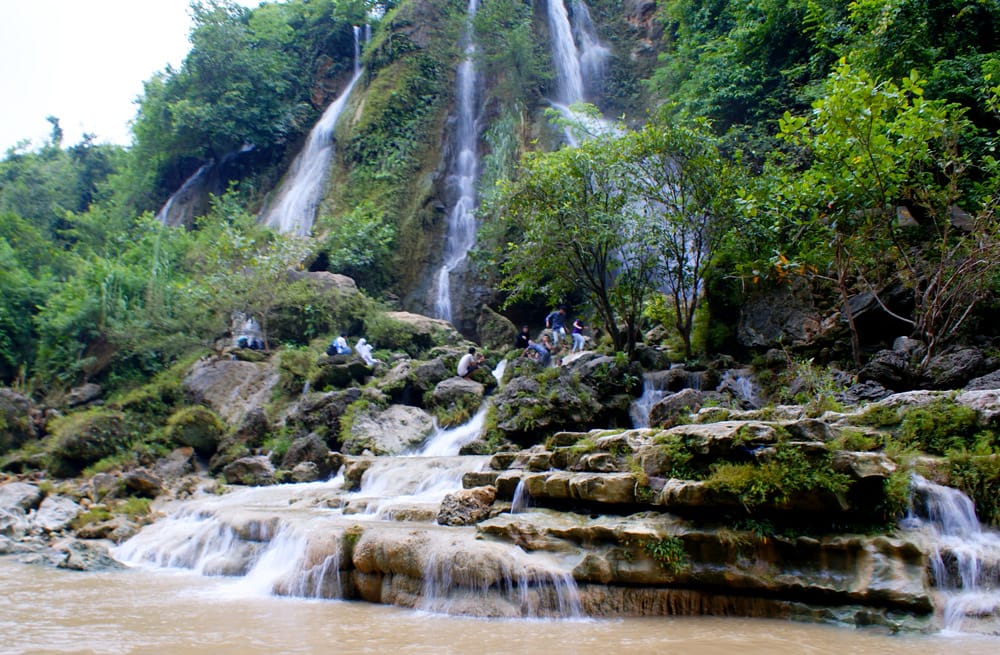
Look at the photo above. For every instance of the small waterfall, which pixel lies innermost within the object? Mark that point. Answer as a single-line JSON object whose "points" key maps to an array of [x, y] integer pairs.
{"points": [[464, 173], [447, 442], [652, 393], [522, 499], [739, 383], [293, 209], [964, 558], [182, 205]]}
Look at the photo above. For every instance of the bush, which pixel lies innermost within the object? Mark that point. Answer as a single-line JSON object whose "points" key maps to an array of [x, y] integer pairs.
{"points": [[938, 427]]}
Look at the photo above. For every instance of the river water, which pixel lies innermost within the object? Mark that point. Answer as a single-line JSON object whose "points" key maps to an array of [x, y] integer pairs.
{"points": [[139, 611]]}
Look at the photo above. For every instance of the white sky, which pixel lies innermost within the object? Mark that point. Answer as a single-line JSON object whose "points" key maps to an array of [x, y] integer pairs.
{"points": [[83, 61]]}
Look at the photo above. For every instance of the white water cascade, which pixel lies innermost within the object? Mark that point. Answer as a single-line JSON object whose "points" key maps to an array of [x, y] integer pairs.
{"points": [[179, 208], [464, 173], [652, 393], [964, 557], [294, 206], [579, 58]]}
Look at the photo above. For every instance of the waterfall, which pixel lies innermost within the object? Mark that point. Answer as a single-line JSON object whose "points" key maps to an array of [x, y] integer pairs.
{"points": [[463, 175], [578, 68], [181, 205], [445, 442], [293, 209], [964, 558], [652, 393]]}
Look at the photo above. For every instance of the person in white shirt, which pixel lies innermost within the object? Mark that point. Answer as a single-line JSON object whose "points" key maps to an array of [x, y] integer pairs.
{"points": [[469, 363]]}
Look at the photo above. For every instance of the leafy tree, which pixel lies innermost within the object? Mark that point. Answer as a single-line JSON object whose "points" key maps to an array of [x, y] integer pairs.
{"points": [[884, 194], [577, 231], [687, 191]]}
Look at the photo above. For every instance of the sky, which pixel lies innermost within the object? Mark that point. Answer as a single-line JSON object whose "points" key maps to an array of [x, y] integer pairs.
{"points": [[84, 62]]}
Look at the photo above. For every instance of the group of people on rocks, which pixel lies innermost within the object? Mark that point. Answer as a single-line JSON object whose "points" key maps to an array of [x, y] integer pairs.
{"points": [[364, 349], [555, 323]]}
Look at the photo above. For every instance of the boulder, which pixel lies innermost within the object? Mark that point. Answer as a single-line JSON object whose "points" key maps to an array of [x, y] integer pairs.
{"points": [[250, 471], [102, 486], [783, 315], [141, 482], [986, 402], [495, 332], [322, 413], [82, 395], [890, 369], [55, 514], [863, 465], [674, 408], [725, 438], [78, 555], [455, 399], [467, 506], [198, 427], [389, 431], [13, 523], [17, 425], [988, 381], [426, 375], [305, 472], [20, 495], [231, 387], [309, 449], [80, 439], [179, 462], [955, 369]]}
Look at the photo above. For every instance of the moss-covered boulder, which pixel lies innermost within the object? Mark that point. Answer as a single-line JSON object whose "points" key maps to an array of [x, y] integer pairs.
{"points": [[495, 332], [80, 439], [196, 426], [16, 424], [455, 400]]}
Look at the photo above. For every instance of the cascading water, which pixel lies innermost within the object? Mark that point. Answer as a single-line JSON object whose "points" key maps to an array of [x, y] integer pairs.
{"points": [[578, 67], [445, 442], [180, 207], [964, 558], [293, 209], [463, 175], [302, 540], [652, 393]]}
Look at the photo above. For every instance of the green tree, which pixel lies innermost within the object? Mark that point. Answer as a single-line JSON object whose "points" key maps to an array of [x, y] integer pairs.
{"points": [[885, 194], [578, 231], [687, 191]]}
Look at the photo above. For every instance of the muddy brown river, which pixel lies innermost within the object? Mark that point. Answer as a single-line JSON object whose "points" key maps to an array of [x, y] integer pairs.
{"points": [[44, 610]]}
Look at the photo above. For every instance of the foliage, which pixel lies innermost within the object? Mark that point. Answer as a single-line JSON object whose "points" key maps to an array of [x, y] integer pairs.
{"points": [[878, 154], [776, 481], [976, 472], [668, 552], [687, 191], [295, 366], [359, 242], [939, 426]]}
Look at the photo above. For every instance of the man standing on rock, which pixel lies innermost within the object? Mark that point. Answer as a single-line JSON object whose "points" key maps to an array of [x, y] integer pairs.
{"points": [[556, 321]]}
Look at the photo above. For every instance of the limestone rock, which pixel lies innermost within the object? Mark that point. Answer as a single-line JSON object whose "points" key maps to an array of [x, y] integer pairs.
{"points": [[231, 387], [251, 471], [78, 555], [986, 402], [17, 417], [457, 398], [55, 513], [390, 431], [467, 506], [80, 439], [21, 495], [305, 472], [671, 409], [323, 410], [13, 523], [863, 465]]}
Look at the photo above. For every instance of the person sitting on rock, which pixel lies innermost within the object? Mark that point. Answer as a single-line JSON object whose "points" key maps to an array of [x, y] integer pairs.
{"points": [[338, 346], [469, 363], [523, 338], [365, 352]]}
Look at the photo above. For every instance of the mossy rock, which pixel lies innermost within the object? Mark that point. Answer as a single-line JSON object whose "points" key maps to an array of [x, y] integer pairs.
{"points": [[198, 427], [80, 439]]}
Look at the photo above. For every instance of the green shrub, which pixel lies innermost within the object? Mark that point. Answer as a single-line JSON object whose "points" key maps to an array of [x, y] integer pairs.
{"points": [[79, 439], [938, 427], [855, 440], [295, 366], [668, 552], [774, 482], [977, 474], [877, 416]]}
